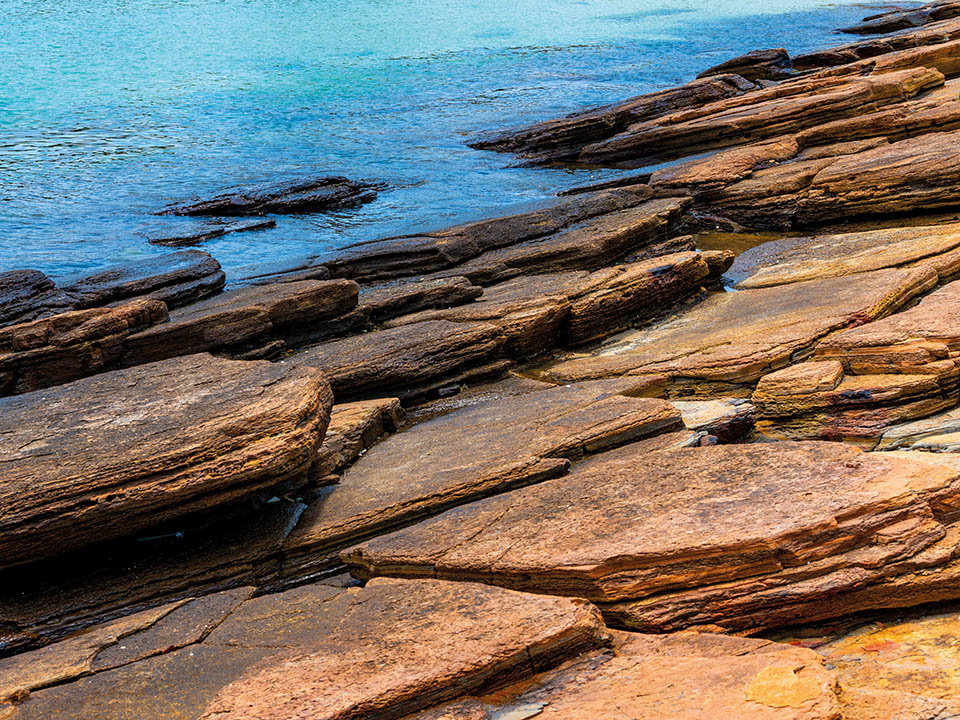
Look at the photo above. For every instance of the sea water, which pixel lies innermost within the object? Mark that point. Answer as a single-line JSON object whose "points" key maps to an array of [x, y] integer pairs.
{"points": [[109, 110]]}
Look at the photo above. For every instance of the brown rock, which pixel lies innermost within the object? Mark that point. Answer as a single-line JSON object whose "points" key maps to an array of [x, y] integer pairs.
{"points": [[389, 300], [71, 345], [187, 235], [685, 675], [27, 295], [901, 19], [138, 447], [309, 653], [671, 539], [755, 65], [383, 360], [727, 420], [738, 337], [252, 316], [177, 279], [354, 428], [456, 458], [937, 433]]}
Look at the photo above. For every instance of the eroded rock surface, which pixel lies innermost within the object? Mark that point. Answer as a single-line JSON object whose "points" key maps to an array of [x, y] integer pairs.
{"points": [[27, 295]]}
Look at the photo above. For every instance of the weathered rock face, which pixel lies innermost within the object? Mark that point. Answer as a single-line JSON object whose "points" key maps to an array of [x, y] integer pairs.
{"points": [[902, 19], [937, 433], [138, 447], [254, 317], [298, 196], [70, 345], [808, 258], [354, 428], [186, 236], [686, 675], [756, 65], [177, 279], [738, 337], [467, 454], [727, 420], [674, 539], [388, 300], [27, 295], [309, 652]]}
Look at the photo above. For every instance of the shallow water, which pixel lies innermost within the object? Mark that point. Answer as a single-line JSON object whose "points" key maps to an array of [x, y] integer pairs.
{"points": [[110, 110]]}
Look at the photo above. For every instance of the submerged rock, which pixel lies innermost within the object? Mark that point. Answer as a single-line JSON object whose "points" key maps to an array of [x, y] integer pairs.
{"points": [[186, 236], [109, 456], [297, 196], [674, 539]]}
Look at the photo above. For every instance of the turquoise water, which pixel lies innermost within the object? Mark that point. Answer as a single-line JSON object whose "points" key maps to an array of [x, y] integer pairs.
{"points": [[109, 109]]}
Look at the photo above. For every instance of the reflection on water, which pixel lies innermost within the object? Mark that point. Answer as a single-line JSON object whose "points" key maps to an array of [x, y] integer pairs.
{"points": [[110, 110]]}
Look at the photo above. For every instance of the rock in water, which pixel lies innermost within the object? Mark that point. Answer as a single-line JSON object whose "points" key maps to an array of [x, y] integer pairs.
{"points": [[187, 236], [27, 295], [109, 456], [740, 537], [299, 196], [755, 65]]}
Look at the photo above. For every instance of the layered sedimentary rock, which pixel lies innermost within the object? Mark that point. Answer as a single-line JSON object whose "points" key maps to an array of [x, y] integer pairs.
{"points": [[537, 313], [674, 539], [309, 652], [902, 19], [71, 345], [727, 420], [297, 196], [186, 236], [756, 65], [470, 453], [262, 316], [27, 295], [177, 279], [864, 380], [388, 300], [936, 433], [685, 675], [807, 258], [354, 428], [109, 456], [736, 338]]}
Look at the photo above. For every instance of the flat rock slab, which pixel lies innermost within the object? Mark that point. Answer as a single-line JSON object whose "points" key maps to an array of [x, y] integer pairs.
{"points": [[738, 337], [177, 279], [296, 196], [648, 534], [27, 295], [109, 456], [937, 433], [469, 453], [807, 258], [729, 420], [902, 19], [388, 649], [188, 235], [686, 676], [253, 316], [354, 428], [71, 345], [384, 360]]}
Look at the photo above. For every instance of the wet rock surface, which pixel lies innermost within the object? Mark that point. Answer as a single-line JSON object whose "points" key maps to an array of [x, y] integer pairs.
{"points": [[194, 235]]}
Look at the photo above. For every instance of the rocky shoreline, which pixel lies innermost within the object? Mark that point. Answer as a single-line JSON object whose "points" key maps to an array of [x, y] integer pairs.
{"points": [[580, 461]]}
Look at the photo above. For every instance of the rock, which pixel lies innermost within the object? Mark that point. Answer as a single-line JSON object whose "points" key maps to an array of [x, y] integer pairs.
{"points": [[727, 420], [27, 295], [429, 252], [129, 639], [176, 279], [297, 196], [459, 457], [901, 19], [300, 654], [187, 236], [389, 300], [684, 675], [756, 65], [736, 338], [536, 313], [937, 433], [563, 138], [354, 428], [674, 539], [807, 258], [254, 316], [783, 109], [138, 447], [71, 345], [383, 360]]}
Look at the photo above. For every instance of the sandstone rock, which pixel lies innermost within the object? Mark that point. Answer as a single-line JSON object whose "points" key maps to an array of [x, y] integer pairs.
{"points": [[902, 19], [671, 539], [563, 138], [937, 433], [311, 651], [807, 258], [727, 420], [470, 453], [756, 65], [177, 279], [194, 235], [256, 315], [736, 338], [685, 675], [27, 295], [298, 196], [141, 446], [70, 345], [354, 428], [384, 360], [428, 252], [389, 300]]}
